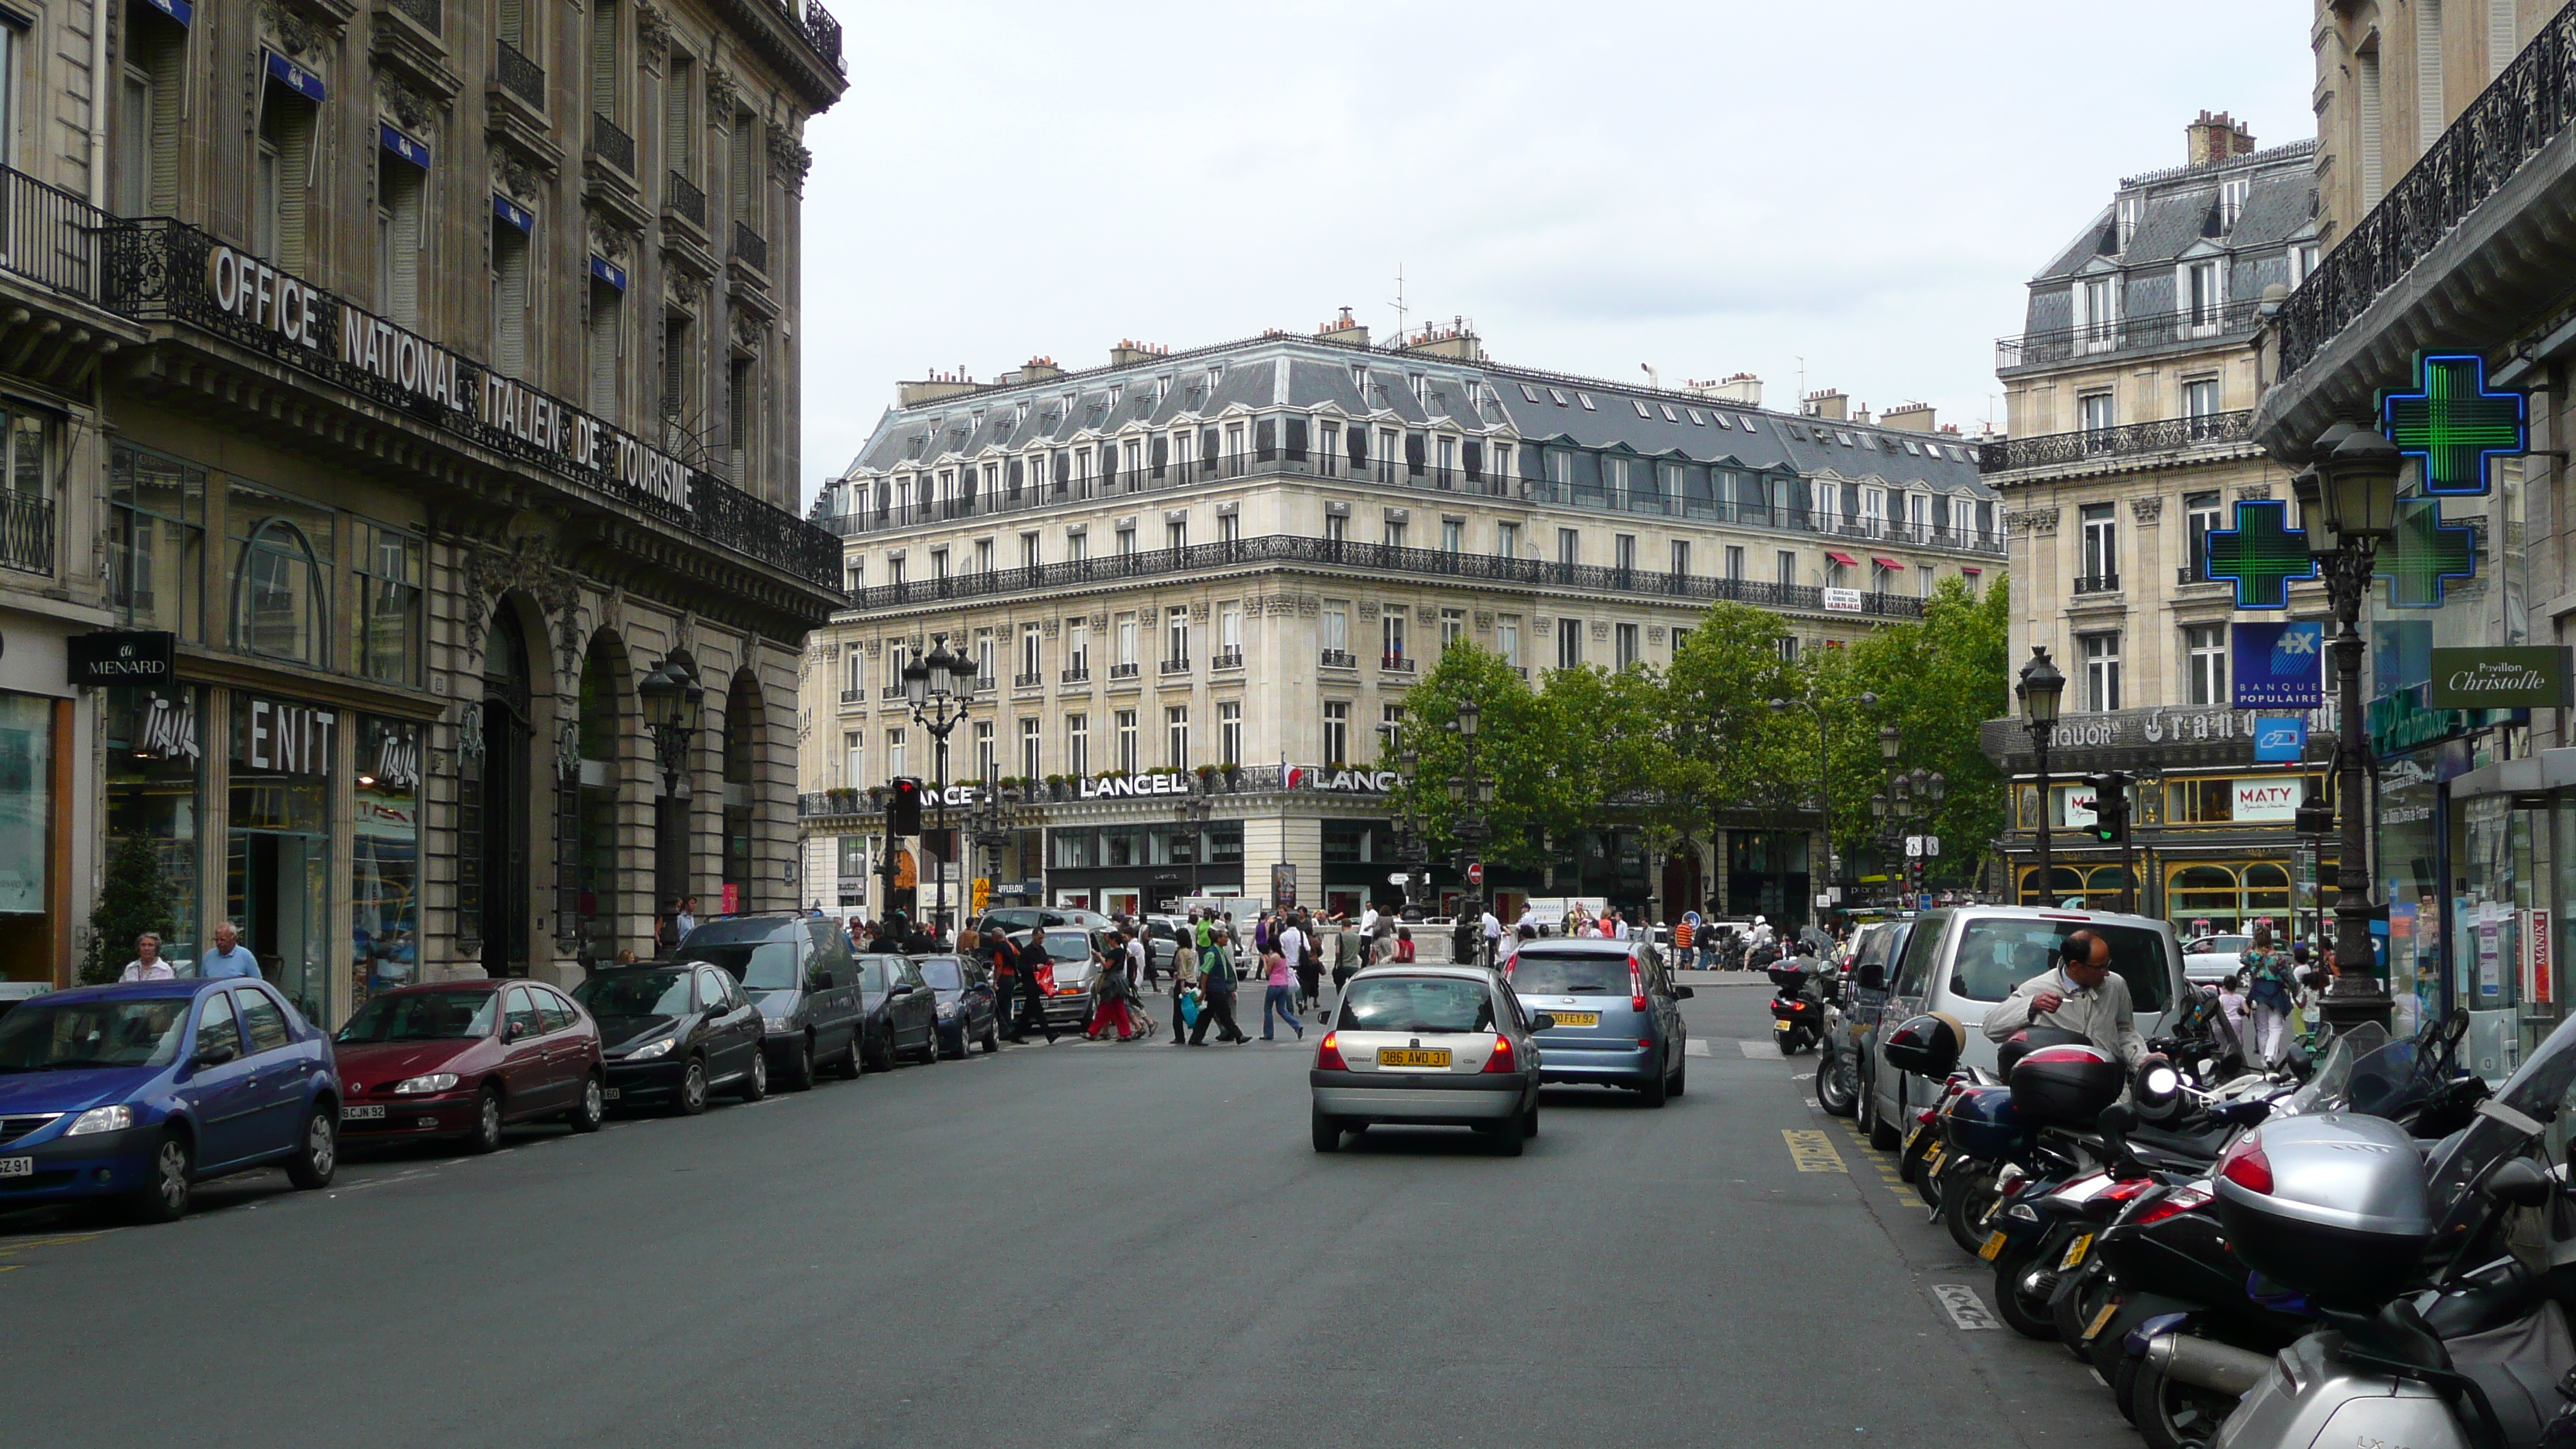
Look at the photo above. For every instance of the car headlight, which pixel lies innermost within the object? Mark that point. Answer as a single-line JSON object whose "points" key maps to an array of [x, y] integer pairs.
{"points": [[949, 1008], [430, 1082], [101, 1119], [779, 1023], [652, 1049]]}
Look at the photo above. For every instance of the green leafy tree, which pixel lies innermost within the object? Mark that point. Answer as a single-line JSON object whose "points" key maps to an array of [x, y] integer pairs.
{"points": [[135, 898], [1512, 747], [1937, 680], [1729, 750]]}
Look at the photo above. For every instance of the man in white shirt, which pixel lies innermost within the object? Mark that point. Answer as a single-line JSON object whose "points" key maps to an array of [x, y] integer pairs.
{"points": [[1368, 919], [1493, 932], [1292, 944], [1140, 961]]}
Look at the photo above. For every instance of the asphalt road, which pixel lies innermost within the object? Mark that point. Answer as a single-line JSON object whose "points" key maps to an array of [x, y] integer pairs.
{"points": [[1075, 1245]]}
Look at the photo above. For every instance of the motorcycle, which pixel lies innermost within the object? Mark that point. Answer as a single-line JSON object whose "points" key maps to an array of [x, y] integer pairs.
{"points": [[1838, 1064], [1797, 1019]]}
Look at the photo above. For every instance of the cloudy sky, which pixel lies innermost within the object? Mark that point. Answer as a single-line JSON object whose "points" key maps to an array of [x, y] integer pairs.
{"points": [[1703, 186]]}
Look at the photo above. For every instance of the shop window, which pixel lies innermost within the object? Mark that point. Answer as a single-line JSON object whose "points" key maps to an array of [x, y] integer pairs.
{"points": [[1075, 849], [1225, 843], [281, 595], [2267, 888], [154, 772], [389, 604], [385, 848], [2196, 893], [27, 864], [1346, 842], [2200, 802], [277, 856]]}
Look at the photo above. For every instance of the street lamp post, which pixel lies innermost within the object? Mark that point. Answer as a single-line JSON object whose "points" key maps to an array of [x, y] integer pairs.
{"points": [[1472, 792], [672, 699], [2040, 688], [940, 687], [1194, 813], [2355, 481], [988, 824], [1824, 768]]}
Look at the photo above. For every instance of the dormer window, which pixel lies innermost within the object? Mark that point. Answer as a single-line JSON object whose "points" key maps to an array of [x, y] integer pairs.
{"points": [[2231, 201]]}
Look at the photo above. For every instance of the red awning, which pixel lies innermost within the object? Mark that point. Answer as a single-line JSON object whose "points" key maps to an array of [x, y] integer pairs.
{"points": [[1970, 569], [1846, 560], [1889, 564]]}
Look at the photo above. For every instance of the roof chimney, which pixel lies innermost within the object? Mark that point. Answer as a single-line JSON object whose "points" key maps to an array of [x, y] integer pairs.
{"points": [[1040, 369], [1829, 404], [1457, 340], [933, 387], [2212, 139], [1743, 388], [1129, 352], [1343, 330], [1912, 417]]}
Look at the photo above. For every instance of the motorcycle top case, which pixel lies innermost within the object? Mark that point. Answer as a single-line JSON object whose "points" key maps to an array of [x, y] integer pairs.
{"points": [[1981, 1122], [2030, 1039], [2066, 1085], [2332, 1205], [1926, 1045]]}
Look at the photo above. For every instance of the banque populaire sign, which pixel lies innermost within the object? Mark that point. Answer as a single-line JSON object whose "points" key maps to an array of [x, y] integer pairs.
{"points": [[2534, 677]]}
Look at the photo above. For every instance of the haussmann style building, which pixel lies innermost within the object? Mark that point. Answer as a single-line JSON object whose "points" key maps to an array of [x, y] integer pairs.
{"points": [[1197, 585], [391, 393]]}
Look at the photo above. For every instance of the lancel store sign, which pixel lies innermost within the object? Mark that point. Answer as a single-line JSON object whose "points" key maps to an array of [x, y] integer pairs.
{"points": [[310, 319]]}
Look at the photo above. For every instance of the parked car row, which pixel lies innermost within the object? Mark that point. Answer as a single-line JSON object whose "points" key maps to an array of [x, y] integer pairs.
{"points": [[141, 1091]]}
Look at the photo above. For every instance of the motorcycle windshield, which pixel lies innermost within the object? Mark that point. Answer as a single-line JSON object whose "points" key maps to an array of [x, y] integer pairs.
{"points": [[2537, 1090], [2385, 1083], [2327, 1091]]}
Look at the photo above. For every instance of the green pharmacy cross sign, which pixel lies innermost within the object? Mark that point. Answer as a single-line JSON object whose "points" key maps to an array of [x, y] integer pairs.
{"points": [[2451, 423], [2262, 554], [2422, 552]]}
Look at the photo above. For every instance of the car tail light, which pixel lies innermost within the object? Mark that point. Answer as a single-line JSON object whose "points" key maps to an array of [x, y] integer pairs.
{"points": [[2247, 1167], [1328, 1054], [1501, 1060], [1636, 989], [2181, 1200]]}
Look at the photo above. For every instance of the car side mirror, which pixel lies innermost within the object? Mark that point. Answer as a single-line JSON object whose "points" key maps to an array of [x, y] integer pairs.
{"points": [[513, 1031], [215, 1055], [1958, 984], [1684, 993], [1542, 1021]]}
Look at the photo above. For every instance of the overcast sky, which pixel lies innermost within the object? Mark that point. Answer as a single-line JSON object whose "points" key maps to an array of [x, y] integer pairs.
{"points": [[1707, 188]]}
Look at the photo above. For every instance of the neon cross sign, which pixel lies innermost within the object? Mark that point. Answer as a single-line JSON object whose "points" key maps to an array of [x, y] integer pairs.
{"points": [[2262, 554], [2451, 423]]}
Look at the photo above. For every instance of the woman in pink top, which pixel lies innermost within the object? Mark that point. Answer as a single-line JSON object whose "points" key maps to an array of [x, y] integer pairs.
{"points": [[1280, 996]]}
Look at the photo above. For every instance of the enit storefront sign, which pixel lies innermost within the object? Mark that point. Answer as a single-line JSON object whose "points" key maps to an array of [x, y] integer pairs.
{"points": [[275, 301]]}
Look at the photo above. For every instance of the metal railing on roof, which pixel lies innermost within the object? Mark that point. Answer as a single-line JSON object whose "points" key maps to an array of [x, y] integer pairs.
{"points": [[1274, 550], [2524, 110], [2126, 334]]}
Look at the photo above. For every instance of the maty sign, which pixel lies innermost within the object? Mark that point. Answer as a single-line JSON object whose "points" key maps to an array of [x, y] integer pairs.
{"points": [[2267, 799]]}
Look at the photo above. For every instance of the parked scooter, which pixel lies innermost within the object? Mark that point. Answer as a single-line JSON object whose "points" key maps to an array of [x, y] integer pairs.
{"points": [[1797, 1018]]}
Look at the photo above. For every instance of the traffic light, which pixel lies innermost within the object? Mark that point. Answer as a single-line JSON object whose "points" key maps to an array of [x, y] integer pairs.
{"points": [[2110, 807], [903, 808]]}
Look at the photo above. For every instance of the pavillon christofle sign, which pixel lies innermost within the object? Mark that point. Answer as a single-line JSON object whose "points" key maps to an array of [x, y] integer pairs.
{"points": [[2501, 678]]}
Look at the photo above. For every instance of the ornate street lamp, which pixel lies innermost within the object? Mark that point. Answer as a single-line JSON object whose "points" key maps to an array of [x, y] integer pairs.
{"points": [[672, 698], [940, 686], [2040, 688], [2354, 484]]}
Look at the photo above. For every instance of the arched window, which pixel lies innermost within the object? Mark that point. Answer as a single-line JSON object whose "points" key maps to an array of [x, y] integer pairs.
{"points": [[2203, 893], [278, 595], [2267, 889]]}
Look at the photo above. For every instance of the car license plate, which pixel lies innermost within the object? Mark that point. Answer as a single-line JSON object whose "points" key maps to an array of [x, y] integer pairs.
{"points": [[1576, 1018], [2101, 1320], [1412, 1056], [2075, 1252], [362, 1114], [1994, 1244], [609, 1095], [17, 1167]]}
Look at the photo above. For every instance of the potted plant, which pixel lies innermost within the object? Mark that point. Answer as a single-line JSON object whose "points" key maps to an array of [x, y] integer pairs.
{"points": [[1207, 779], [1055, 787], [1233, 776], [876, 797]]}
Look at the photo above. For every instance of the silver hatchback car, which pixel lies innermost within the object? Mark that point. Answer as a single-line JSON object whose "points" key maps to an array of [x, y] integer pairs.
{"points": [[1428, 1045]]}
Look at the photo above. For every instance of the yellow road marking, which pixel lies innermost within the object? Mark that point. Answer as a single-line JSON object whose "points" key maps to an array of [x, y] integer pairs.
{"points": [[13, 1249], [1812, 1151]]}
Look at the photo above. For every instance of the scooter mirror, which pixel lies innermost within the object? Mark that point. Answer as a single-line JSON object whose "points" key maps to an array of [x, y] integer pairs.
{"points": [[2520, 1183]]}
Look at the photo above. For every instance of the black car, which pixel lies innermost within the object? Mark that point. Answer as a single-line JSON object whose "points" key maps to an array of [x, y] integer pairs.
{"points": [[798, 971], [968, 1011], [674, 1032], [902, 1012]]}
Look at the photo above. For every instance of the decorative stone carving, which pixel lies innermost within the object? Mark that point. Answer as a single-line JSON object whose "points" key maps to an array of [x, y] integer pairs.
{"points": [[1600, 630], [750, 329], [2042, 521], [1051, 628], [1100, 620], [788, 160], [1484, 620], [1546, 625], [1654, 633], [1281, 604], [1426, 614], [408, 107], [2147, 507], [519, 179], [294, 34], [723, 94], [2257, 492], [652, 29], [528, 563], [1308, 606], [1198, 613], [611, 239], [683, 288]]}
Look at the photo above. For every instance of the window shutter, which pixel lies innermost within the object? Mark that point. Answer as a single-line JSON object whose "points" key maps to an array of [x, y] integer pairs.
{"points": [[603, 59]]}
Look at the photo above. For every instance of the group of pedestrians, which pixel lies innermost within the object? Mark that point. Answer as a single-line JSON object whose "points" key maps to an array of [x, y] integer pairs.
{"points": [[2269, 998], [229, 957]]}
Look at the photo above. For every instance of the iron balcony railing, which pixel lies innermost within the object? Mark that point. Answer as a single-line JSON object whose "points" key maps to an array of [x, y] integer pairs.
{"points": [[853, 696], [1339, 659], [1227, 659], [519, 75], [685, 200], [824, 34], [26, 532], [1077, 675], [1124, 671], [1028, 681], [1176, 666], [426, 12], [890, 691], [611, 144], [882, 513], [49, 236], [1292, 550], [1394, 664], [2126, 440], [2098, 584], [2524, 110], [2127, 334], [751, 247]]}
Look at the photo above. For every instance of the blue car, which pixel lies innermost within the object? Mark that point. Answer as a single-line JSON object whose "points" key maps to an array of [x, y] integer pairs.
{"points": [[139, 1092]]}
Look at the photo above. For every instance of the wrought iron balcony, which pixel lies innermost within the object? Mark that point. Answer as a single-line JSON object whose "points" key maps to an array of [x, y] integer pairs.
{"points": [[424, 12], [854, 696], [1394, 664], [682, 198], [1176, 666], [2127, 440], [2234, 320], [2524, 110], [1077, 675], [751, 248], [610, 143], [1124, 671], [1227, 659], [1028, 681], [890, 691], [52, 236], [1339, 659], [519, 75], [26, 532], [2097, 584], [1294, 550]]}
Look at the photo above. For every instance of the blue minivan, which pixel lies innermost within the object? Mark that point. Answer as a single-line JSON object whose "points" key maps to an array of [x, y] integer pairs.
{"points": [[1618, 1017], [140, 1091]]}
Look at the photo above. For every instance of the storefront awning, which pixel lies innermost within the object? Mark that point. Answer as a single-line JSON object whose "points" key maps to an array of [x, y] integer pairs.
{"points": [[1889, 564], [1846, 560]]}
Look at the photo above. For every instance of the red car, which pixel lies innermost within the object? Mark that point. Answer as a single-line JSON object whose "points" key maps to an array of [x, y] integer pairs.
{"points": [[462, 1059]]}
